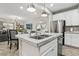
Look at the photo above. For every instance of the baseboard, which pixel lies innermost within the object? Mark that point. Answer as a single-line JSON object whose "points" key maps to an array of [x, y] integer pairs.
{"points": [[71, 46], [61, 55]]}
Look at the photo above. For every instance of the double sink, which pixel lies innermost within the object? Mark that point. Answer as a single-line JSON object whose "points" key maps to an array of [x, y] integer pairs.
{"points": [[40, 36]]}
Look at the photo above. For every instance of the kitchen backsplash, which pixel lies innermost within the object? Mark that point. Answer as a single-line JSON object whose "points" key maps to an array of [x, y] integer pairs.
{"points": [[71, 28]]}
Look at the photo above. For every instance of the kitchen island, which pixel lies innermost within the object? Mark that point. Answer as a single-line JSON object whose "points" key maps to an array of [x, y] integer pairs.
{"points": [[48, 46]]}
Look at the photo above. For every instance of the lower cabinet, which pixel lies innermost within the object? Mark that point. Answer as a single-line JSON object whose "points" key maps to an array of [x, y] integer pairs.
{"points": [[72, 40], [52, 52], [75, 40], [49, 49], [68, 39]]}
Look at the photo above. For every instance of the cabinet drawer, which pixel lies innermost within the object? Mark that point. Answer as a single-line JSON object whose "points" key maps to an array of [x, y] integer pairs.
{"points": [[51, 52], [68, 39], [72, 39], [47, 46], [68, 42], [75, 42], [75, 36]]}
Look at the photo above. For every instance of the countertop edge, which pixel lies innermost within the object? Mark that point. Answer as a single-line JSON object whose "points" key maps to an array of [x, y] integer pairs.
{"points": [[41, 43]]}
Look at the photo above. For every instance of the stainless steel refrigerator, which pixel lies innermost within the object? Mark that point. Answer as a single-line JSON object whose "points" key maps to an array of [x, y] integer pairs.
{"points": [[58, 26]]}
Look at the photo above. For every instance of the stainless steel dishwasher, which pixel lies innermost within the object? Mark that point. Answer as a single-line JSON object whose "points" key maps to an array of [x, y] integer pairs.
{"points": [[60, 45]]}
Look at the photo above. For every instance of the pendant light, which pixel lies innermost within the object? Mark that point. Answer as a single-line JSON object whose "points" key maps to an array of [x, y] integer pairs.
{"points": [[31, 8], [44, 13]]}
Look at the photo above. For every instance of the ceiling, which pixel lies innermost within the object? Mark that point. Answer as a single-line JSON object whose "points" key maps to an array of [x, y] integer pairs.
{"points": [[13, 11], [59, 6]]}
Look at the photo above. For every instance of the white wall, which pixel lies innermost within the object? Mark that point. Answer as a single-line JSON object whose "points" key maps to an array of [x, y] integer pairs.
{"points": [[35, 21], [71, 17]]}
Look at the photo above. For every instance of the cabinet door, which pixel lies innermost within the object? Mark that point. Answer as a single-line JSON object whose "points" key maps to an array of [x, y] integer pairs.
{"points": [[75, 40], [71, 17], [52, 52], [68, 39], [75, 17], [48, 46], [72, 40]]}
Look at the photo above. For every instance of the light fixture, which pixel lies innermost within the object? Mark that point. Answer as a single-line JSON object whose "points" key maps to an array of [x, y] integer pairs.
{"points": [[44, 14], [31, 8], [51, 5], [21, 7]]}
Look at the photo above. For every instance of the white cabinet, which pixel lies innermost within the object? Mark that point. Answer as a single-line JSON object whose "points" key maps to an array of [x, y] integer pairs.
{"points": [[49, 49], [48, 46], [68, 39], [75, 17], [75, 40], [51, 52], [71, 17], [72, 40]]}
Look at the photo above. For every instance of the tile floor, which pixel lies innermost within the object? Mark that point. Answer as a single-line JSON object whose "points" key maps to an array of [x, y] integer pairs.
{"points": [[5, 51], [68, 51]]}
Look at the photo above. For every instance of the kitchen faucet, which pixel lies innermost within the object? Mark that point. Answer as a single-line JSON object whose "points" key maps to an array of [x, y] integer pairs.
{"points": [[38, 28]]}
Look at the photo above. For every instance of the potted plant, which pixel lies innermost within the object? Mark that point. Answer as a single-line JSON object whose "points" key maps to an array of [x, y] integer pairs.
{"points": [[19, 29]]}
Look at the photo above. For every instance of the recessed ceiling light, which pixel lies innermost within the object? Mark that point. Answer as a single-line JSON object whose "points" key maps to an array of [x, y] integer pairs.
{"points": [[51, 5], [21, 7]]}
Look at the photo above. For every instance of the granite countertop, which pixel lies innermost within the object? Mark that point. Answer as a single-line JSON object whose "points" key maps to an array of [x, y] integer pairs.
{"points": [[36, 42], [73, 32]]}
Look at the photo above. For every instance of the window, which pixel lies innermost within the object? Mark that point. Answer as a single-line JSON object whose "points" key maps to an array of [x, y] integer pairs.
{"points": [[8, 25]]}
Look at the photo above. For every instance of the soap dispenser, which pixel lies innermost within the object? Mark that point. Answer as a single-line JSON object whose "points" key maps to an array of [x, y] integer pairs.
{"points": [[71, 29]]}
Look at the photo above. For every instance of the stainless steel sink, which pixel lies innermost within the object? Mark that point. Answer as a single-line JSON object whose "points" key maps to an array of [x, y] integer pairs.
{"points": [[45, 35], [40, 36]]}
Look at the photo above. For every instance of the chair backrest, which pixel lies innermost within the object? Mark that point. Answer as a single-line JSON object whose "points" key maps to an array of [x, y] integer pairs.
{"points": [[12, 34]]}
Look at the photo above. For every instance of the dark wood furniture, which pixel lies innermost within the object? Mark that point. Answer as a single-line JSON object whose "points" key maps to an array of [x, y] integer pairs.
{"points": [[3, 36], [12, 37]]}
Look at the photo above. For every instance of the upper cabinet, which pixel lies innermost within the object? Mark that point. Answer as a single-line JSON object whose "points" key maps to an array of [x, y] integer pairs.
{"points": [[71, 17], [75, 17]]}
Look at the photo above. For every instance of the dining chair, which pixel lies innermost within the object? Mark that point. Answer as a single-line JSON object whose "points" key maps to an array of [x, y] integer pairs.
{"points": [[12, 34]]}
